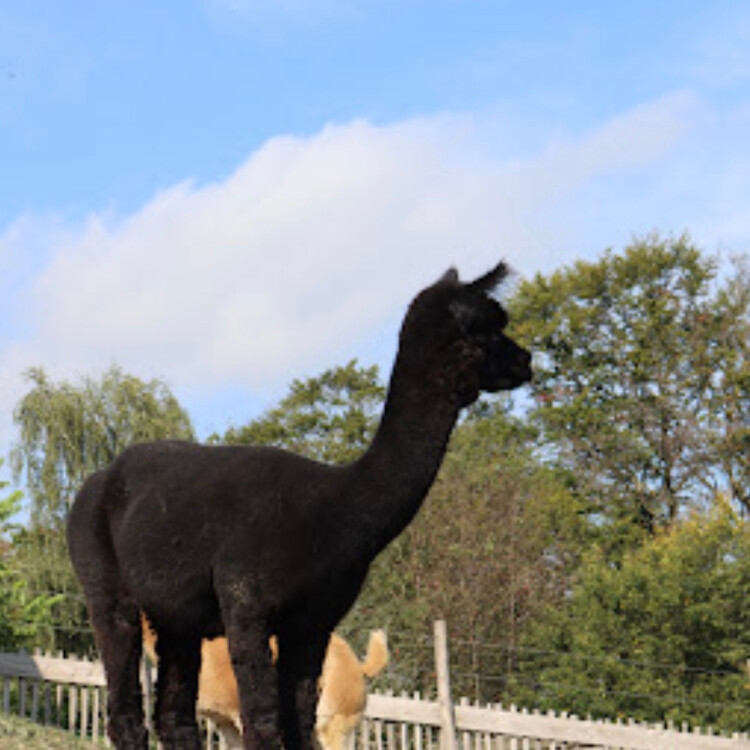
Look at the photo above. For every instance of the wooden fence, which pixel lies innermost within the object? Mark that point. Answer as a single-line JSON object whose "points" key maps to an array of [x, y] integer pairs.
{"points": [[71, 693]]}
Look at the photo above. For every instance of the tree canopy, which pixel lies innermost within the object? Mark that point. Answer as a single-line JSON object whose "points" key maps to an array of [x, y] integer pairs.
{"points": [[641, 378], [67, 431], [331, 417], [664, 635], [495, 541], [21, 611]]}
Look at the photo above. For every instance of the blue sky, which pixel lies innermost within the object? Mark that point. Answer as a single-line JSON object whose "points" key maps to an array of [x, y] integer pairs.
{"points": [[228, 194]]}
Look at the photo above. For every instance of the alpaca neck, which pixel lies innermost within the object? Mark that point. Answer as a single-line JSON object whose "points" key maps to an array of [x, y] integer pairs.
{"points": [[396, 472]]}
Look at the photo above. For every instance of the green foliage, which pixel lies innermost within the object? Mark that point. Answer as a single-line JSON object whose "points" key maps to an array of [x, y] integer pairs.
{"points": [[60, 621], [728, 404], [634, 353], [21, 612], [664, 635], [331, 417], [493, 543], [68, 431]]}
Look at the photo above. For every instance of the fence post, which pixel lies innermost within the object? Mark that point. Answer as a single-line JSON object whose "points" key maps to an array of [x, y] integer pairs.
{"points": [[447, 718]]}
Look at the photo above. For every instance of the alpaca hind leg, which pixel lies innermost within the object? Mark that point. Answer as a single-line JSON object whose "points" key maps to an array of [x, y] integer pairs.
{"points": [[116, 623], [177, 691], [114, 615]]}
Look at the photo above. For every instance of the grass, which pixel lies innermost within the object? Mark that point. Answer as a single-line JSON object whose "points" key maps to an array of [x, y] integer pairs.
{"points": [[22, 734]]}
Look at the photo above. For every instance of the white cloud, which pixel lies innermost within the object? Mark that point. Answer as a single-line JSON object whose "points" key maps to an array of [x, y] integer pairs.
{"points": [[307, 248]]}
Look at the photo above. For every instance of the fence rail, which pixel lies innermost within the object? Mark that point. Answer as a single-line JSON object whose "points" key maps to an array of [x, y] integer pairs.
{"points": [[498, 727], [55, 691], [70, 693]]}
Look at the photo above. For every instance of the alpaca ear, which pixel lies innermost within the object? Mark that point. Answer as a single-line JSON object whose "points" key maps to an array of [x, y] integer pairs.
{"points": [[491, 280], [449, 277]]}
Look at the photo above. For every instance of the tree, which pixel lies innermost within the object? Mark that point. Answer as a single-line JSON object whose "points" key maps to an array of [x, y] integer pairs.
{"points": [[331, 417], [729, 404], [634, 351], [66, 432], [495, 542], [663, 635], [20, 612]]}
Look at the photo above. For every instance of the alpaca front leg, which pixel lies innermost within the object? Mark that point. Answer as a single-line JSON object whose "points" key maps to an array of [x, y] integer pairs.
{"points": [[298, 701], [258, 687], [300, 664]]}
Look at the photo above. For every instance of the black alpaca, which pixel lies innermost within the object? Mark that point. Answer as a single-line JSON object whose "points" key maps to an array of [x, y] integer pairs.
{"points": [[254, 541]]}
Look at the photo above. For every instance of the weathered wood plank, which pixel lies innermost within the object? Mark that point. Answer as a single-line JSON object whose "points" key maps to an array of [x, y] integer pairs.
{"points": [[445, 701], [392, 708], [84, 724], [560, 729], [35, 702], [52, 668], [6, 695], [22, 697]]}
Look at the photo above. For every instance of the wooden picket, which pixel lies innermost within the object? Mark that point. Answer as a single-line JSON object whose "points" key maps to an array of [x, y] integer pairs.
{"points": [[501, 728], [55, 691]]}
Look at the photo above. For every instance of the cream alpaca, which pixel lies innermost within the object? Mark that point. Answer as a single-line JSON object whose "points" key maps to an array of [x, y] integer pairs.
{"points": [[342, 688]]}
